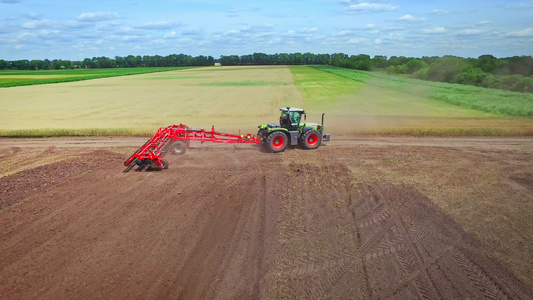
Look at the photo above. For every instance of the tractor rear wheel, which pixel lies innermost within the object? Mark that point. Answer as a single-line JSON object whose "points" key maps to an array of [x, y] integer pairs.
{"points": [[179, 148], [277, 141], [311, 139]]}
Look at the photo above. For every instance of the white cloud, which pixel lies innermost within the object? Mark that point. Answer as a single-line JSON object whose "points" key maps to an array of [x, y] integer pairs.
{"points": [[520, 5], [437, 29], [171, 35], [483, 23], [439, 12], [358, 41], [310, 30], [470, 31], [245, 8], [192, 31], [410, 18], [97, 16], [159, 25], [40, 24], [371, 7], [30, 16], [521, 33], [235, 12]]}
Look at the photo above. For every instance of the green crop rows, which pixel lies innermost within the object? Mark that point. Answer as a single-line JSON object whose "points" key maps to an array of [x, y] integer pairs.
{"points": [[488, 100], [9, 78]]}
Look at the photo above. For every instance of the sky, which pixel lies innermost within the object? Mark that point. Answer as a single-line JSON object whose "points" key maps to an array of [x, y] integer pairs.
{"points": [[75, 30]]}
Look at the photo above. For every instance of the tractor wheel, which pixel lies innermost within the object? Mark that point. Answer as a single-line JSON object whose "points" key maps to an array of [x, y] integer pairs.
{"points": [[164, 162], [311, 139], [187, 142], [179, 148], [277, 141]]}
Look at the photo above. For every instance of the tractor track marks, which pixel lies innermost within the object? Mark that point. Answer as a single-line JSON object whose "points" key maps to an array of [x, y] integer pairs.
{"points": [[418, 253], [299, 224]]}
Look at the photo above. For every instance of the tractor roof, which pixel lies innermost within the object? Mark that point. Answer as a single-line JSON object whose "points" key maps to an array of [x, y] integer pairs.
{"points": [[286, 109]]}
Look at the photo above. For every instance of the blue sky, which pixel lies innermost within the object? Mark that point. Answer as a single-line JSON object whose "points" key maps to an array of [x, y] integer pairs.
{"points": [[69, 29]]}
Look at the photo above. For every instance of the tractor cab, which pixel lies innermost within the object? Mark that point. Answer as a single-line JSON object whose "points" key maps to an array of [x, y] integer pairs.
{"points": [[290, 117]]}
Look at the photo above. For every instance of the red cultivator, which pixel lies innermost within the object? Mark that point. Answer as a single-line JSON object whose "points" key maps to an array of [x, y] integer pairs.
{"points": [[176, 139]]}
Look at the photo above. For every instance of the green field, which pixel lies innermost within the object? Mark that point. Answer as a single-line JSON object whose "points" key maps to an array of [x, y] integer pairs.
{"points": [[237, 99], [488, 100], [13, 78], [375, 103]]}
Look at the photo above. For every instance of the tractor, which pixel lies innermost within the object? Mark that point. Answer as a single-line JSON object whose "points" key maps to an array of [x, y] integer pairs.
{"points": [[292, 131], [176, 139]]}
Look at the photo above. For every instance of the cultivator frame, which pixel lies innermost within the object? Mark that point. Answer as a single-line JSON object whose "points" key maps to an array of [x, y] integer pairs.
{"points": [[167, 140]]}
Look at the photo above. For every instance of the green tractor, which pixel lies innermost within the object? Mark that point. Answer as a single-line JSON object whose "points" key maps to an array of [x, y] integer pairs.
{"points": [[291, 131]]}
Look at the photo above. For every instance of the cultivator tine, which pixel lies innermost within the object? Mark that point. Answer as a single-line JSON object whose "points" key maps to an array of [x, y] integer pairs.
{"points": [[142, 168], [129, 167]]}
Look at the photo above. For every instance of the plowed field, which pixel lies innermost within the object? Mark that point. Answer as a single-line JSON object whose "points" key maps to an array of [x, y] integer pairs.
{"points": [[370, 218]]}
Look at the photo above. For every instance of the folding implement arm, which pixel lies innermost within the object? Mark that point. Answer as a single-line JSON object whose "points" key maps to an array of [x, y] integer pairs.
{"points": [[152, 152]]}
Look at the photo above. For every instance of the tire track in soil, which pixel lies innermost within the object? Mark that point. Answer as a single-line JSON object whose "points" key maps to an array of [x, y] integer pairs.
{"points": [[423, 258], [234, 240], [316, 238], [261, 204], [243, 226]]}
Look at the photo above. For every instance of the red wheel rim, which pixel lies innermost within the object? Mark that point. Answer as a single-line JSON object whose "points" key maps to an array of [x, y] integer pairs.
{"points": [[312, 140], [278, 142]]}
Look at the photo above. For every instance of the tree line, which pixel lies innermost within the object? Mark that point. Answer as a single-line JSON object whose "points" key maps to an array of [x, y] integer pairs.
{"points": [[511, 73], [130, 61]]}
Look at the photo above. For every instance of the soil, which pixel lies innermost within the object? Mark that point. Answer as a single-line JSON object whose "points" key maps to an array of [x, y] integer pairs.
{"points": [[369, 218]]}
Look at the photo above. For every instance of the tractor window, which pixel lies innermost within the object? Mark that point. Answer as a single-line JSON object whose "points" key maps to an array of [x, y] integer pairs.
{"points": [[283, 119], [295, 118]]}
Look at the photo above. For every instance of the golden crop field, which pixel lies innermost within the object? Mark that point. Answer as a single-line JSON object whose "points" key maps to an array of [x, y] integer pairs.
{"points": [[230, 98]]}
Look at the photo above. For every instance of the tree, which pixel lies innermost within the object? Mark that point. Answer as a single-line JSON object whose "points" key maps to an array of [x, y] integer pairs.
{"points": [[22, 64], [203, 61], [415, 64], [393, 61], [323, 59], [120, 61], [296, 59], [522, 65], [362, 62], [379, 61], [337, 58], [36, 64], [283, 59], [310, 58], [231, 60], [247, 59], [261, 59], [489, 63], [470, 75], [445, 68]]}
